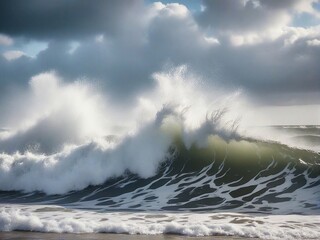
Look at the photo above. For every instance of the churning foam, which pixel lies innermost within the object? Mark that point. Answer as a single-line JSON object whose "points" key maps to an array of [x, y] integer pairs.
{"points": [[57, 219]]}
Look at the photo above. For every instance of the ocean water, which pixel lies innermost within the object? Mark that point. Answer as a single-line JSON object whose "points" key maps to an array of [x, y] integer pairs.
{"points": [[62, 171]]}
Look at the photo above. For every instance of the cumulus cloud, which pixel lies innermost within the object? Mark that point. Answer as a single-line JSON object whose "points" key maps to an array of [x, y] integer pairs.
{"points": [[314, 42]]}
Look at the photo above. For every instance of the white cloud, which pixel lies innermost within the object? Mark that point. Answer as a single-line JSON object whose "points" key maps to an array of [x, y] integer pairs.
{"points": [[314, 42], [212, 40], [306, 6], [293, 34], [12, 55], [171, 9], [251, 22], [5, 40]]}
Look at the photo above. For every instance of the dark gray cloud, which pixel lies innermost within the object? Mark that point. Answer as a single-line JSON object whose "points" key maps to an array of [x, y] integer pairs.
{"points": [[283, 4], [248, 15], [64, 19], [229, 15], [271, 69], [121, 64]]}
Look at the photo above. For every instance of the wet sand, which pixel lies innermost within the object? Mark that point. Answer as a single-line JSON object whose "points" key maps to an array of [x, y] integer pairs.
{"points": [[21, 235]]}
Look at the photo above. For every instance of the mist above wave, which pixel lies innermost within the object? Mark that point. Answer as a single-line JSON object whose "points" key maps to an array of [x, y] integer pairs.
{"points": [[50, 114]]}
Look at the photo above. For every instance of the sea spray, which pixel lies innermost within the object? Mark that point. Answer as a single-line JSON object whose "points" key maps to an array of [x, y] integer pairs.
{"points": [[68, 132]]}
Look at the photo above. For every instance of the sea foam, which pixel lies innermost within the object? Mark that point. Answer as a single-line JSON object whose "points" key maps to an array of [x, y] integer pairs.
{"points": [[62, 220]]}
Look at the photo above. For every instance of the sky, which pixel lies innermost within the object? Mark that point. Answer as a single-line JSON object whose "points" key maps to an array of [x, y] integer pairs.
{"points": [[269, 49]]}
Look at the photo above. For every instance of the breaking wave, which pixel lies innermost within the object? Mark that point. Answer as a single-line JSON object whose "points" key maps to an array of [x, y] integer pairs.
{"points": [[170, 151], [176, 159]]}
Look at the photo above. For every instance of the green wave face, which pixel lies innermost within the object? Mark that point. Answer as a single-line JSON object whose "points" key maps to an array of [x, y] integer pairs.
{"points": [[244, 175]]}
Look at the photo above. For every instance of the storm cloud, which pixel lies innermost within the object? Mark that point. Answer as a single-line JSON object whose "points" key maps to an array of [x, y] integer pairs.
{"points": [[60, 19], [245, 16], [252, 45]]}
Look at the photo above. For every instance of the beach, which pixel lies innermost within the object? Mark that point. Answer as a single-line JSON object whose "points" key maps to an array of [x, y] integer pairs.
{"points": [[21, 235]]}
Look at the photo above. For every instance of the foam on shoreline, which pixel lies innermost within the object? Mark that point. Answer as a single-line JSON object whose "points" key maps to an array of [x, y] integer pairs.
{"points": [[55, 219]]}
